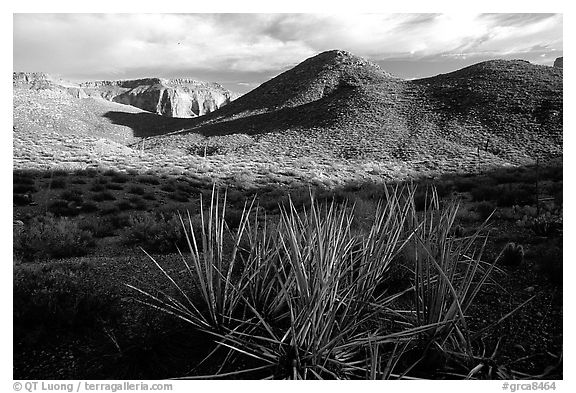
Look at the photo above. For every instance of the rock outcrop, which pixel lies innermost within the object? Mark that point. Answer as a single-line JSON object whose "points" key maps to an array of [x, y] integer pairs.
{"points": [[183, 98], [559, 62]]}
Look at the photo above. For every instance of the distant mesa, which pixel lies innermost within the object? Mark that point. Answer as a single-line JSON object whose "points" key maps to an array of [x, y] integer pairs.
{"points": [[183, 98], [559, 62]]}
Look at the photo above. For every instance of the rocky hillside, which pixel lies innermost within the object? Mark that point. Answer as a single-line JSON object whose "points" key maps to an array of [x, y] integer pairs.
{"points": [[334, 116], [337, 105], [559, 62], [182, 98]]}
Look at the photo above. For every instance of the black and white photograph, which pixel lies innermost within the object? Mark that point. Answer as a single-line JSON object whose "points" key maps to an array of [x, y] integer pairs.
{"points": [[287, 196]]}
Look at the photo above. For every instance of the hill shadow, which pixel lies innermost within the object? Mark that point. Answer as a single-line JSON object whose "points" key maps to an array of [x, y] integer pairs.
{"points": [[148, 124]]}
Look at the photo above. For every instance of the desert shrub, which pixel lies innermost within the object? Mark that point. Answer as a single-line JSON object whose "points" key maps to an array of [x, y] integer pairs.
{"points": [[60, 173], [233, 218], [120, 220], [179, 196], [515, 194], [114, 186], [544, 224], [149, 196], [506, 175], [97, 187], [169, 187], [485, 209], [148, 179], [24, 188], [108, 210], [77, 180], [60, 207], [467, 215], [89, 207], [135, 189], [154, 232], [465, 184], [124, 205], [52, 237], [98, 226], [120, 178], [512, 255], [204, 150], [185, 187], [137, 202], [72, 195], [484, 193], [90, 172], [60, 296], [22, 179], [458, 231], [103, 196], [550, 261], [21, 200], [58, 183]]}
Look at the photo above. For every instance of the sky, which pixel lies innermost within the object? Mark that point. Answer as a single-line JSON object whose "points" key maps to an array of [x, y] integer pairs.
{"points": [[241, 51]]}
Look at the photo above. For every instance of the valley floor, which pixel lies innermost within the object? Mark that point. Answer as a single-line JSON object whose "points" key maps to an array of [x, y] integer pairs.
{"points": [[74, 317]]}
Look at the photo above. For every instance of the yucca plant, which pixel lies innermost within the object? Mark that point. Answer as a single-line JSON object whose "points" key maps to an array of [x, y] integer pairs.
{"points": [[328, 278], [448, 274], [215, 299], [307, 298]]}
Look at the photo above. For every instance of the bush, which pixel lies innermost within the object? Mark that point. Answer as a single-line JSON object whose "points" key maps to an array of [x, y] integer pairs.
{"points": [[90, 172], [119, 178], [137, 202], [515, 194], [78, 180], [485, 209], [60, 296], [89, 207], [148, 179], [550, 261], [63, 208], [124, 205], [134, 189], [149, 196], [103, 196], [168, 187], [114, 186], [544, 225], [97, 187], [24, 188], [155, 232], [72, 195], [121, 220], [51, 237], [512, 255], [98, 226], [21, 200], [60, 173], [484, 193], [179, 196], [22, 179]]}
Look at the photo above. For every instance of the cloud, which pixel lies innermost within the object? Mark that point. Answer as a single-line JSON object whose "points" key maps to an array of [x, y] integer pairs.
{"points": [[162, 44]]}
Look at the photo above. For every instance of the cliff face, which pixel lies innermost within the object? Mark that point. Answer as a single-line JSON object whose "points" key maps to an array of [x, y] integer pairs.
{"points": [[169, 97]]}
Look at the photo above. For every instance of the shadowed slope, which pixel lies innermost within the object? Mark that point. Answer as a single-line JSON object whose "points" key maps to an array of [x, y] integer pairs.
{"points": [[512, 110]]}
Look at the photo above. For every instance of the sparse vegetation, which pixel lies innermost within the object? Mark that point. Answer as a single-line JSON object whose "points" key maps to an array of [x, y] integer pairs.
{"points": [[51, 237]]}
